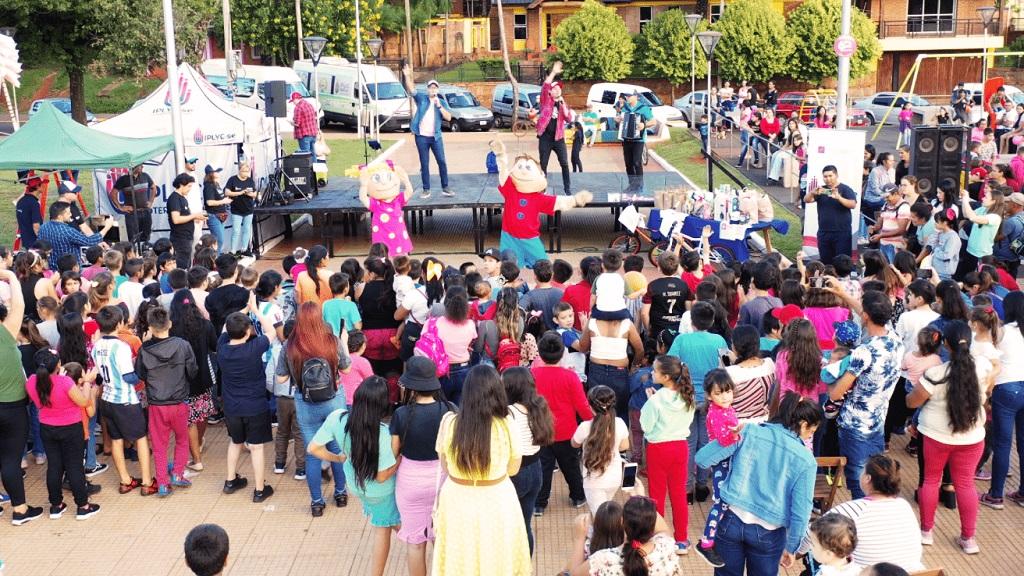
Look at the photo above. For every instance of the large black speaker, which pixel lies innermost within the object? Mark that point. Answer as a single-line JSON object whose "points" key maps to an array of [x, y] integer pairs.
{"points": [[298, 167], [276, 97], [937, 153]]}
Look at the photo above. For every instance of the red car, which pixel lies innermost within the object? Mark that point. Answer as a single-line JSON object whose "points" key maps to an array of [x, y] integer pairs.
{"points": [[804, 105]]}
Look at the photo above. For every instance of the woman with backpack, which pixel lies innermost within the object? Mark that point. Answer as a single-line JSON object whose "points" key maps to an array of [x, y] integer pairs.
{"points": [[457, 332], [312, 357], [414, 428], [514, 346]]}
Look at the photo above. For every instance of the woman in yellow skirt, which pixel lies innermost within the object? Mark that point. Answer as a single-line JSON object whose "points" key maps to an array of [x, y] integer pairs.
{"points": [[478, 526]]}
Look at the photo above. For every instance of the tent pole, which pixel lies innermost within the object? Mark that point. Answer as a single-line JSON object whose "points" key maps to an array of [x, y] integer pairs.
{"points": [[173, 84]]}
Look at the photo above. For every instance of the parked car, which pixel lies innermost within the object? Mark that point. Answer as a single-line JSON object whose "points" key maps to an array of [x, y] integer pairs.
{"points": [[501, 102], [876, 105], [339, 91], [62, 104], [803, 105], [250, 86], [604, 95], [683, 105], [467, 113]]}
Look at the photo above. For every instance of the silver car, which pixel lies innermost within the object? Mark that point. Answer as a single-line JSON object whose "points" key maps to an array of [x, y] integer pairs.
{"points": [[467, 113], [876, 105]]}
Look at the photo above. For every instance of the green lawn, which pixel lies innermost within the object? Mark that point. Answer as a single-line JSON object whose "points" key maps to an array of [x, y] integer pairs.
{"points": [[103, 94], [468, 72], [683, 152], [345, 153]]}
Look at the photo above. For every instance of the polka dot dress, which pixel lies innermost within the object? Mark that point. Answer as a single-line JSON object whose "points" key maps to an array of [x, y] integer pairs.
{"points": [[388, 225]]}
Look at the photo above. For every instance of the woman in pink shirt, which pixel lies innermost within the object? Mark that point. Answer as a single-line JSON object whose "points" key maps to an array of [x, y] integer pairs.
{"points": [[824, 309], [60, 401], [798, 363], [457, 332], [821, 118]]}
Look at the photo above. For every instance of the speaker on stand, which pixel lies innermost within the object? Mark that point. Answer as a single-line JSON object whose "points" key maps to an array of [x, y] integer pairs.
{"points": [[937, 153]]}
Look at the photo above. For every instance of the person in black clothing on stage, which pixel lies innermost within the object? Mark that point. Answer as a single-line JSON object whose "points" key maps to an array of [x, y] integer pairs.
{"points": [[552, 119], [133, 195], [182, 220], [835, 202], [579, 136]]}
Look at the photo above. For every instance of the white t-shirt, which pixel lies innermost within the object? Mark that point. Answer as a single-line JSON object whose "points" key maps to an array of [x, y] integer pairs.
{"points": [[521, 430], [612, 475], [851, 569], [428, 121], [887, 531], [610, 289], [415, 301], [934, 421], [911, 322], [1011, 345], [131, 294]]}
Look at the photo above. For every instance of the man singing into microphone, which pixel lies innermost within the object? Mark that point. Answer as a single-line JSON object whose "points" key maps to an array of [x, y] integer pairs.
{"points": [[554, 115], [426, 127]]}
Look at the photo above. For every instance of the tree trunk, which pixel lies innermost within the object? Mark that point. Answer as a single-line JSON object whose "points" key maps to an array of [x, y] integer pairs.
{"points": [[508, 66], [76, 85], [408, 46], [446, 47]]}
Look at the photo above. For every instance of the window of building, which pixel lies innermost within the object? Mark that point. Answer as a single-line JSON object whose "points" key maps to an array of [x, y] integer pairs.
{"points": [[931, 15], [475, 8], [255, 53], [519, 27], [646, 15], [716, 12]]}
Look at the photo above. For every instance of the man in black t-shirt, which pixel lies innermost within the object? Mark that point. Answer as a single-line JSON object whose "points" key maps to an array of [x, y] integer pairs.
{"points": [[133, 195], [228, 297], [666, 298], [835, 202], [29, 216], [182, 221]]}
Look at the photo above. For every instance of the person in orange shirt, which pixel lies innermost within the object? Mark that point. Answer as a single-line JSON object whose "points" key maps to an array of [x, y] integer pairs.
{"points": [[313, 284]]}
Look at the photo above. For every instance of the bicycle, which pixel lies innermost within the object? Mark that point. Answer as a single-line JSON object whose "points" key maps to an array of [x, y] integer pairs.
{"points": [[524, 126], [630, 243]]}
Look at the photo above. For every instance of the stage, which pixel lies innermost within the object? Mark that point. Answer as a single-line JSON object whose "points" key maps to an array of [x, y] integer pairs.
{"points": [[337, 210]]}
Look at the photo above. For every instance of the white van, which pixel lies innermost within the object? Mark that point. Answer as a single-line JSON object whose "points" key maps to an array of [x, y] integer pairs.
{"points": [[604, 95], [339, 92], [249, 89]]}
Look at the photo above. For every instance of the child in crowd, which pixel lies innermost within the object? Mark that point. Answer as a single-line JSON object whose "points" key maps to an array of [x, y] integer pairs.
{"points": [[113, 261], [574, 359], [772, 330], [721, 425], [945, 245], [248, 277], [610, 288], [124, 418], [70, 282], [360, 370], [492, 268], [130, 291], [206, 550], [94, 256], [561, 273], [165, 263], [833, 540], [641, 387], [240, 357], [402, 282], [666, 419], [510, 278], [483, 307], [299, 265], [166, 363], [48, 308], [986, 327], [288, 430], [340, 310], [602, 439]]}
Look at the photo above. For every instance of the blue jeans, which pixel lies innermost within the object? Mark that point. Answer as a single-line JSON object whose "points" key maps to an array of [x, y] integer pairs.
{"points": [[311, 417], [217, 229], [452, 383], [527, 483], [306, 143], [241, 232], [857, 447], [33, 430], [615, 378], [1007, 416], [697, 440], [90, 444], [748, 546], [424, 145], [745, 142], [888, 250]]}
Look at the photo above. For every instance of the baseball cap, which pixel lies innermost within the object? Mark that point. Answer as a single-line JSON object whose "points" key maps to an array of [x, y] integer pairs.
{"points": [[1017, 198], [191, 160], [295, 96], [491, 253], [69, 187], [889, 188], [433, 82], [847, 333], [788, 313]]}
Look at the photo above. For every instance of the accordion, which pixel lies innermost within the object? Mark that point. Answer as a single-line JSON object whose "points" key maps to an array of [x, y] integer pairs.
{"points": [[629, 128]]}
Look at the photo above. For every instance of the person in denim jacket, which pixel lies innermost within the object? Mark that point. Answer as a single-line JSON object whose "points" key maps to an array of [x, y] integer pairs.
{"points": [[768, 492]]}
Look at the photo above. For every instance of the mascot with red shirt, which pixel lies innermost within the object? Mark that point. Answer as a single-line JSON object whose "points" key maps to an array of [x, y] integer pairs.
{"points": [[524, 187]]}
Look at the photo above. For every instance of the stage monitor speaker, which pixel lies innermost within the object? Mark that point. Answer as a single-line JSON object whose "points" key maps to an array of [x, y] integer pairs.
{"points": [[276, 92], [937, 153], [298, 167]]}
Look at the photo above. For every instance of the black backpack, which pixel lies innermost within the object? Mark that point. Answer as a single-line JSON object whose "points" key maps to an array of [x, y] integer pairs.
{"points": [[317, 381]]}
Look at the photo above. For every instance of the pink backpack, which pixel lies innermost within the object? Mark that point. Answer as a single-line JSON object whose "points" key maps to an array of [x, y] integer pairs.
{"points": [[431, 346]]}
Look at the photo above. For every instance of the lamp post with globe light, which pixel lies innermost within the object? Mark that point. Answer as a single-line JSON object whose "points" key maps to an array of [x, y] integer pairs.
{"points": [[692, 20], [987, 13], [315, 46], [708, 39]]}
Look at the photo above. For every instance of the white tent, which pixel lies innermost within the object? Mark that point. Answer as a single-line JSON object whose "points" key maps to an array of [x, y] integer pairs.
{"points": [[216, 130]]}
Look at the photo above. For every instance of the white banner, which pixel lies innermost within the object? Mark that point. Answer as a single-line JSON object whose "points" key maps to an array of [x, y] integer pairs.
{"points": [[843, 149]]}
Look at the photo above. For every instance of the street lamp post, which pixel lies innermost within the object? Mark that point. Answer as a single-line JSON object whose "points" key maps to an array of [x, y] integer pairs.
{"points": [[987, 13], [375, 45], [691, 22], [708, 40], [315, 46]]}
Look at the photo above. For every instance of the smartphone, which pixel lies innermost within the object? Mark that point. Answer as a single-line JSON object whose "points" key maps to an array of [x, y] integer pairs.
{"points": [[925, 273], [629, 475], [819, 282]]}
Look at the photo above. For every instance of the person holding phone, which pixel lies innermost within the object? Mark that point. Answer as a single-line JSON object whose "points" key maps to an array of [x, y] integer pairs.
{"points": [[835, 204], [241, 188], [182, 220]]}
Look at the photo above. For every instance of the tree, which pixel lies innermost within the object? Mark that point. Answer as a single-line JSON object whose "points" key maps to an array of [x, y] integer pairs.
{"points": [[593, 43], [666, 49], [755, 44], [814, 26]]}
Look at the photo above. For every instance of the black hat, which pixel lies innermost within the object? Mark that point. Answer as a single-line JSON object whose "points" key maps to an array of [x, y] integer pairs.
{"points": [[420, 375], [210, 169], [491, 253]]}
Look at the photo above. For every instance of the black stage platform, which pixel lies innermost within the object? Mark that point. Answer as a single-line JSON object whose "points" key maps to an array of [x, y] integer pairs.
{"points": [[338, 204]]}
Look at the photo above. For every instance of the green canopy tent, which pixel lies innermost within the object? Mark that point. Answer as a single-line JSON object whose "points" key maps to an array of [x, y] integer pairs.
{"points": [[52, 140]]}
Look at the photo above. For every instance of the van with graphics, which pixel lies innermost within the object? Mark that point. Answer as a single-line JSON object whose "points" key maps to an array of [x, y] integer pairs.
{"points": [[339, 92], [250, 90]]}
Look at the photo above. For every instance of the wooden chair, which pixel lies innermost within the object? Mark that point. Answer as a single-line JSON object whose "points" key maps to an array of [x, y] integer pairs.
{"points": [[827, 484], [932, 572]]}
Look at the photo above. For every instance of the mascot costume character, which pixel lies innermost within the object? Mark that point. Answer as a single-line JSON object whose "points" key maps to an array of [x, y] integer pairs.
{"points": [[380, 191], [523, 185]]}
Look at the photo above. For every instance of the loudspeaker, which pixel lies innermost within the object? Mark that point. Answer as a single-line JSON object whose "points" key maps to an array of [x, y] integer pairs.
{"points": [[937, 153], [276, 97], [298, 167]]}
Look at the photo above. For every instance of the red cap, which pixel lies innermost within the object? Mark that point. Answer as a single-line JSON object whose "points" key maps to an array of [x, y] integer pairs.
{"points": [[296, 96], [788, 313]]}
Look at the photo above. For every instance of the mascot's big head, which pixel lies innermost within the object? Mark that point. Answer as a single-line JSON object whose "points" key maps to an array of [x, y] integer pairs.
{"points": [[382, 181], [527, 175]]}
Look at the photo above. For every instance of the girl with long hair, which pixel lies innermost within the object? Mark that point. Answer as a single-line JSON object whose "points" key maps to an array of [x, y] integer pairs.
{"points": [[313, 283], [189, 323], [355, 273], [29, 267], [76, 347], [60, 402], [414, 429], [648, 549], [596, 532], [1007, 408], [534, 427], [364, 448], [510, 324], [378, 307], [666, 419], [753, 376], [952, 306], [478, 522], [798, 363], [313, 338], [602, 439], [30, 342], [986, 230], [952, 421], [457, 332]]}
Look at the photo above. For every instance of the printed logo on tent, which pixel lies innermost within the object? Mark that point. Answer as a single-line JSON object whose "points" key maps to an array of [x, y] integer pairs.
{"points": [[184, 92], [197, 137]]}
